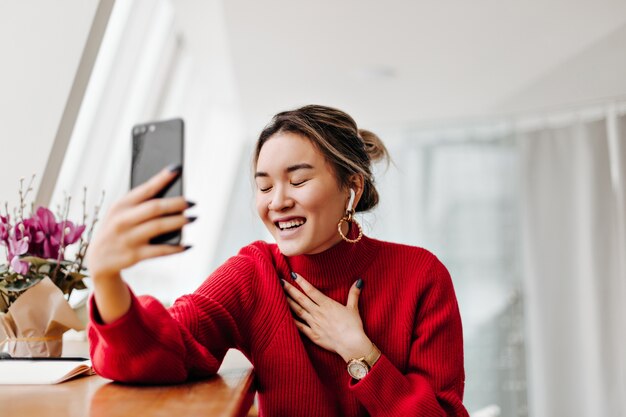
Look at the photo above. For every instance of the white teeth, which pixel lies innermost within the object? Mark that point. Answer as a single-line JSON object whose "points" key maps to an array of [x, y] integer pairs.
{"points": [[290, 224]]}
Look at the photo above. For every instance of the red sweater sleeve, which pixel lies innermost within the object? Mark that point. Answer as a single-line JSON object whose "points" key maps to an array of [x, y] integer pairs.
{"points": [[151, 344], [434, 383]]}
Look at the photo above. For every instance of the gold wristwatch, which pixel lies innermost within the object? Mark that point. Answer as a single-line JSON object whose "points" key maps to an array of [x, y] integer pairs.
{"points": [[358, 368]]}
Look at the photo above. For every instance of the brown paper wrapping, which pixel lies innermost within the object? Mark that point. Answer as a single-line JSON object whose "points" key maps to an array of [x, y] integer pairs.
{"points": [[35, 322]]}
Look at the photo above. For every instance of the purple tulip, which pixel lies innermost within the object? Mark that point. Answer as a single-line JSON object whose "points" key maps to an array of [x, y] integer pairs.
{"points": [[29, 228], [49, 236], [72, 232], [40, 235]]}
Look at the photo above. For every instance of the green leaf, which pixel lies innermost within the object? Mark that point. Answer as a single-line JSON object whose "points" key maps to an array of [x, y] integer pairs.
{"points": [[76, 276], [34, 260], [64, 287], [37, 261], [11, 277], [44, 269], [80, 285], [20, 285]]}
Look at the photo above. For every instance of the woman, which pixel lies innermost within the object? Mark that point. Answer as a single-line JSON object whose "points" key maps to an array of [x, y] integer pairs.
{"points": [[322, 299]]}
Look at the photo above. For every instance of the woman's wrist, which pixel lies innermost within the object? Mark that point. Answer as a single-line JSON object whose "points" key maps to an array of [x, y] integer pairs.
{"points": [[112, 297], [357, 349]]}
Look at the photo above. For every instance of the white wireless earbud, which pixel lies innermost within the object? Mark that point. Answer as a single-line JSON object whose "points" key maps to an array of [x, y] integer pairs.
{"points": [[352, 197]]}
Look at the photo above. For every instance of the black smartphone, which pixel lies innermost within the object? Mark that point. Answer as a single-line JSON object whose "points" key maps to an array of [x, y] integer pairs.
{"points": [[157, 145]]}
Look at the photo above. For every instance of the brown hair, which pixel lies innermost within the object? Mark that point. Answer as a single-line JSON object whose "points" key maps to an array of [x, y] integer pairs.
{"points": [[348, 149]]}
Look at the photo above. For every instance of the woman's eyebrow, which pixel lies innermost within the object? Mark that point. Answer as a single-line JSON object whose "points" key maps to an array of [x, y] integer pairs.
{"points": [[291, 168], [296, 167]]}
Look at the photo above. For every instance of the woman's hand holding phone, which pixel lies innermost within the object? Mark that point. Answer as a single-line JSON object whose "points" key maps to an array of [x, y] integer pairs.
{"points": [[124, 239]]}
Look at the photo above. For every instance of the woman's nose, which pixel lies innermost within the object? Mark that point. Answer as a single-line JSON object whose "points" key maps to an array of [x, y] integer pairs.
{"points": [[280, 200]]}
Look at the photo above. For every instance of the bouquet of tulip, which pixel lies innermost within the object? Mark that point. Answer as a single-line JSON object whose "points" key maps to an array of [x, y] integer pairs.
{"points": [[36, 263]]}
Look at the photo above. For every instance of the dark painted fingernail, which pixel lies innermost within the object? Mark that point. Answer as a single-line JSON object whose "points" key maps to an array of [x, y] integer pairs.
{"points": [[175, 168], [282, 282], [294, 276], [359, 283], [190, 204], [187, 247], [191, 219]]}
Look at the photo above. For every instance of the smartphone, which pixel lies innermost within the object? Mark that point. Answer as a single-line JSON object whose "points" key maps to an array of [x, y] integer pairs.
{"points": [[157, 145]]}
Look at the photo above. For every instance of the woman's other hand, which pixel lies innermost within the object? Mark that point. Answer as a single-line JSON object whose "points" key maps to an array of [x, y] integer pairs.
{"points": [[327, 323]]}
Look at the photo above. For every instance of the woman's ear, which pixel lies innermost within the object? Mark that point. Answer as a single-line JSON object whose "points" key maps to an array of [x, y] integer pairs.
{"points": [[356, 183]]}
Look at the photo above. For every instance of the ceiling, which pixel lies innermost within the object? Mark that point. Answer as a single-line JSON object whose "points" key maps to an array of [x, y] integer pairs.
{"points": [[396, 62]]}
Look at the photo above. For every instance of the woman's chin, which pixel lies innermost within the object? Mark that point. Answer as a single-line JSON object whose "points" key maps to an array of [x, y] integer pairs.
{"points": [[290, 248]]}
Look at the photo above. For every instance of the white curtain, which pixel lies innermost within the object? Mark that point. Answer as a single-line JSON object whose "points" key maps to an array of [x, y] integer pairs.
{"points": [[573, 176]]}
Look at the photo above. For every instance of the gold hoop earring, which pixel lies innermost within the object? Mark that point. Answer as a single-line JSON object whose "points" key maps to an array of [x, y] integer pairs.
{"points": [[348, 218]]}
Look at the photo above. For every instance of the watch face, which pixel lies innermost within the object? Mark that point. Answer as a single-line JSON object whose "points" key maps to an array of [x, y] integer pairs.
{"points": [[357, 370]]}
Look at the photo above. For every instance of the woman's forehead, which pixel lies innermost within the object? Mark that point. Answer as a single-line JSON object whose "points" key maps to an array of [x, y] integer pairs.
{"points": [[285, 149], [289, 152]]}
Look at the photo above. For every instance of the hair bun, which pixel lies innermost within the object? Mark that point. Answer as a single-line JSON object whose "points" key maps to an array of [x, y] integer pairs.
{"points": [[374, 147]]}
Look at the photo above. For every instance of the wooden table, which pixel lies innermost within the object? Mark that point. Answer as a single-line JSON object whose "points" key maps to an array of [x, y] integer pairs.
{"points": [[230, 393]]}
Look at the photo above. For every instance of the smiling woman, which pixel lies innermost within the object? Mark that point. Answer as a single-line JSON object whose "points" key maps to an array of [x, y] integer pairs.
{"points": [[315, 159], [298, 197], [334, 322]]}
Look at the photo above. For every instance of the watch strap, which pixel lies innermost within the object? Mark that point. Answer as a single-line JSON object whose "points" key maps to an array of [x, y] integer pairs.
{"points": [[372, 357]]}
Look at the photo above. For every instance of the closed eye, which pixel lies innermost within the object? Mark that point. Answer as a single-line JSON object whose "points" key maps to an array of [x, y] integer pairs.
{"points": [[264, 190], [298, 183]]}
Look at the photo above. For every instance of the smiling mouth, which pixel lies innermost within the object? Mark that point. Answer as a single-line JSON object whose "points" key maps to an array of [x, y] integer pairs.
{"points": [[290, 224]]}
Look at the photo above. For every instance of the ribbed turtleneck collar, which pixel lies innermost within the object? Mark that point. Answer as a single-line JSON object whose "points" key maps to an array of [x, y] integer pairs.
{"points": [[343, 263]]}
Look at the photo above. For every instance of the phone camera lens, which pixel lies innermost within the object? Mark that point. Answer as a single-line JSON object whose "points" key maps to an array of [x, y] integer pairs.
{"points": [[151, 128], [143, 129]]}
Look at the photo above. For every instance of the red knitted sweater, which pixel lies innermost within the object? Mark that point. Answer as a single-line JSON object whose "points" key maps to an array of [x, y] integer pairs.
{"points": [[407, 305]]}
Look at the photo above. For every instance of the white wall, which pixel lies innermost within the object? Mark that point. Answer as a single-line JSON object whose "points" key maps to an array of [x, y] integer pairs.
{"points": [[42, 43], [594, 74]]}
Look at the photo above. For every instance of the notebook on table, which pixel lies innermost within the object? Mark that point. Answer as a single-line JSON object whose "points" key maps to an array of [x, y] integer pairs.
{"points": [[42, 371]]}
